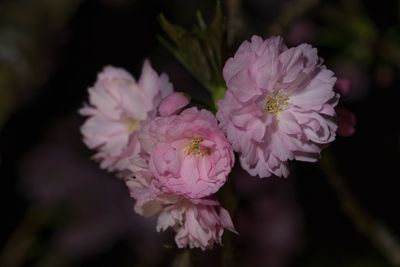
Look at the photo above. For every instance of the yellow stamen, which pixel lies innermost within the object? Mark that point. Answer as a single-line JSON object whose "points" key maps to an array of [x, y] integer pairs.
{"points": [[131, 124], [276, 102], [193, 147]]}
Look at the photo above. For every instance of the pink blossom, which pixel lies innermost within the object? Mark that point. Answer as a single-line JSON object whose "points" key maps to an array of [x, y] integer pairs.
{"points": [[188, 154], [117, 106], [148, 201], [198, 223], [172, 104], [279, 105]]}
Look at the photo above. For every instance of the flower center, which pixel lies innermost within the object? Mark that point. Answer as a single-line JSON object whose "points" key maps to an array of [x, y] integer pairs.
{"points": [[193, 147], [276, 102], [131, 124]]}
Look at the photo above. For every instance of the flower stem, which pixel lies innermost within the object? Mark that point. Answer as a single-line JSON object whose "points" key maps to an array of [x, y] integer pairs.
{"points": [[183, 259], [217, 93], [228, 255], [230, 202]]}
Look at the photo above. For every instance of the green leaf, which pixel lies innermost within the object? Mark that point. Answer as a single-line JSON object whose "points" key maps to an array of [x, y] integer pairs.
{"points": [[187, 49], [201, 50], [217, 33]]}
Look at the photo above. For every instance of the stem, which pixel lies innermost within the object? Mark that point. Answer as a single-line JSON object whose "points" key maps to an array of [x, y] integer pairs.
{"points": [[230, 202], [182, 259], [228, 255], [378, 234], [236, 21], [217, 93]]}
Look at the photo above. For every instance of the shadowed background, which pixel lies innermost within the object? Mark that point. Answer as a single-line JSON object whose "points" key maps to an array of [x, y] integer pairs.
{"points": [[60, 209]]}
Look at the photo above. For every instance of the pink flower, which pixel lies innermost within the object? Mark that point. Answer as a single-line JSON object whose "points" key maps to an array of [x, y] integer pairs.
{"points": [[117, 107], [279, 105], [148, 201], [172, 104], [184, 159], [187, 154], [198, 223]]}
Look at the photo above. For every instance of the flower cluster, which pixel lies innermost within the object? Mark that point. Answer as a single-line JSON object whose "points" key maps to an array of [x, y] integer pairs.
{"points": [[173, 161], [279, 106]]}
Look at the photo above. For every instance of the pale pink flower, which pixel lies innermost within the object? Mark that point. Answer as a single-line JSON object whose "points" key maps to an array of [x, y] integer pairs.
{"points": [[188, 154], [198, 223], [148, 201], [117, 106], [279, 105]]}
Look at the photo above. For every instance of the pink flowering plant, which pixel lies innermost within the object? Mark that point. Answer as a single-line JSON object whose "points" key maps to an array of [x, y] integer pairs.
{"points": [[279, 105], [118, 104], [271, 104]]}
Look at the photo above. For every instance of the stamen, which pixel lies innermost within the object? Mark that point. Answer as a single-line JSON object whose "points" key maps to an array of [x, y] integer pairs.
{"points": [[131, 124], [276, 102], [193, 147]]}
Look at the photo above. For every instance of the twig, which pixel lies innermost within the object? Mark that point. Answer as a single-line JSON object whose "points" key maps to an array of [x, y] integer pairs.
{"points": [[236, 20], [182, 259]]}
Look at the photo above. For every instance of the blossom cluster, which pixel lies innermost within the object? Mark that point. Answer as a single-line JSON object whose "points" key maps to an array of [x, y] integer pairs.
{"points": [[279, 105]]}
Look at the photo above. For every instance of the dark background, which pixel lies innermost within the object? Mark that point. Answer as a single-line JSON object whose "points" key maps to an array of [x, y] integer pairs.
{"points": [[50, 53]]}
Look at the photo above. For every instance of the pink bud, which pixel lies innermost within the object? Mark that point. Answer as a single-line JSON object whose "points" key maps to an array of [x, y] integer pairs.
{"points": [[172, 104], [343, 87], [346, 122]]}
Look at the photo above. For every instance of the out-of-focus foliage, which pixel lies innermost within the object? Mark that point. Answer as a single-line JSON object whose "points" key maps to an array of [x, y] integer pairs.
{"points": [[347, 29], [29, 31], [201, 50]]}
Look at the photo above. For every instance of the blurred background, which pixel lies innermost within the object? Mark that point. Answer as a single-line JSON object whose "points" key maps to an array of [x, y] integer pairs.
{"points": [[60, 209]]}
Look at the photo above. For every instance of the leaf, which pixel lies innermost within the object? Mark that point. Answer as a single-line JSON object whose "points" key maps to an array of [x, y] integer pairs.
{"points": [[188, 50], [217, 33], [200, 50]]}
